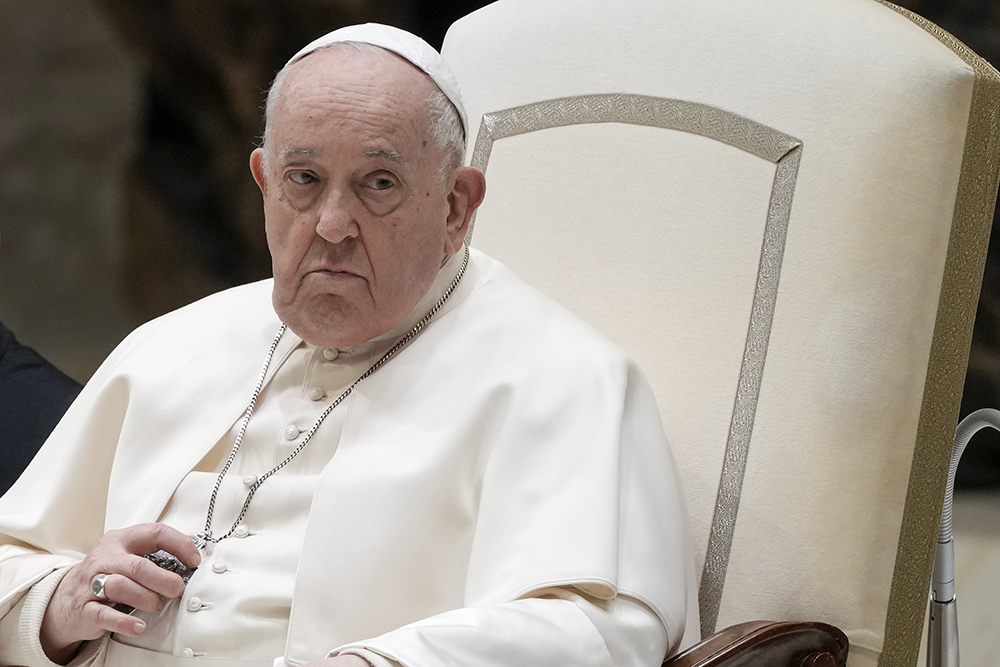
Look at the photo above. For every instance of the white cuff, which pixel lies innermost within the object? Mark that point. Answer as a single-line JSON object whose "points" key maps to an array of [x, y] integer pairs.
{"points": [[375, 659], [32, 612], [539, 632]]}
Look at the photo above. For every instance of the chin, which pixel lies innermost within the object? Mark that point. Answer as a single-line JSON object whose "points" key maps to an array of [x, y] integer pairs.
{"points": [[326, 326], [328, 331]]}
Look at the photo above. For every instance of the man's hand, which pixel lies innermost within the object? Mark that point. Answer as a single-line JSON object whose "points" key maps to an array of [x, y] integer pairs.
{"points": [[75, 614]]}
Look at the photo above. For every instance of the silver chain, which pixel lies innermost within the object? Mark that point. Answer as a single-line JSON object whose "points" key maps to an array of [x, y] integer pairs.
{"points": [[206, 535]]}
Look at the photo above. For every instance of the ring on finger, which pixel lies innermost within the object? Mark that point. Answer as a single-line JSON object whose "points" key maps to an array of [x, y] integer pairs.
{"points": [[97, 586]]}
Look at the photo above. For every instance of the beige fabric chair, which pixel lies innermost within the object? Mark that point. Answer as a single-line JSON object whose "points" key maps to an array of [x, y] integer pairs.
{"points": [[780, 208]]}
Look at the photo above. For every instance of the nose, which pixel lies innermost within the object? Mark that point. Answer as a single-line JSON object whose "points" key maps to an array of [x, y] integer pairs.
{"points": [[336, 222]]}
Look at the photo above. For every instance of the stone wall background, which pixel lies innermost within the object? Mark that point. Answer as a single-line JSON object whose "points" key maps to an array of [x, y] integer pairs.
{"points": [[125, 127]]}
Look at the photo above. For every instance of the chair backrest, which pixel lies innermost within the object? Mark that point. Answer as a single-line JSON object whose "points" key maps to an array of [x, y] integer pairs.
{"points": [[780, 208]]}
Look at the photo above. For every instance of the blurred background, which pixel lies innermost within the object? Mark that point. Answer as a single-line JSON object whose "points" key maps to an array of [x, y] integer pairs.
{"points": [[125, 129]]}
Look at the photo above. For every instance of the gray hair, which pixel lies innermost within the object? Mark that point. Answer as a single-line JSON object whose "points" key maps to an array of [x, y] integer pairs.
{"points": [[444, 123]]}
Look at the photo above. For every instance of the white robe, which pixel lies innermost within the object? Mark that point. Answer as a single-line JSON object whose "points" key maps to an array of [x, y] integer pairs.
{"points": [[508, 449]]}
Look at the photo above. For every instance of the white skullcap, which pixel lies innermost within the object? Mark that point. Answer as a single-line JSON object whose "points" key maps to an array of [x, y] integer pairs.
{"points": [[402, 43]]}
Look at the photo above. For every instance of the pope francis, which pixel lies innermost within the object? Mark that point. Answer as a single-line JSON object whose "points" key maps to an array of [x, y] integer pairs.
{"points": [[393, 453]]}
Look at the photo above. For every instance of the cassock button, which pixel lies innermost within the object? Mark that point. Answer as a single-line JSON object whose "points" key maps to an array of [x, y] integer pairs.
{"points": [[317, 394], [250, 480], [331, 353], [219, 566], [241, 531], [188, 653], [194, 604], [292, 432]]}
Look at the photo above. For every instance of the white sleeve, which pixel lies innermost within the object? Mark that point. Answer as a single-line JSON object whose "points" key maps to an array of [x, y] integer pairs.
{"points": [[556, 628], [21, 628]]}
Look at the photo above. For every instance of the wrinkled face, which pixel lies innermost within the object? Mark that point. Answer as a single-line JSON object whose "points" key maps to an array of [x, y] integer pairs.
{"points": [[358, 220]]}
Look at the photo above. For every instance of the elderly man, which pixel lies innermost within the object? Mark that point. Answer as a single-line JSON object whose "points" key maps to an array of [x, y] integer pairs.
{"points": [[432, 465]]}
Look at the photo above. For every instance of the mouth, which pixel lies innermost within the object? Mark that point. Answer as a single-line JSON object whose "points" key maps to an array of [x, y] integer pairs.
{"points": [[333, 272], [336, 274]]}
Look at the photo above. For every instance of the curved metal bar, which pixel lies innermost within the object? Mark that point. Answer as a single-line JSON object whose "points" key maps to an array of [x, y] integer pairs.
{"points": [[942, 628]]}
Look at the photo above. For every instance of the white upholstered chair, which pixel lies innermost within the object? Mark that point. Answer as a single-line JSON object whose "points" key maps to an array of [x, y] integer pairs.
{"points": [[780, 208]]}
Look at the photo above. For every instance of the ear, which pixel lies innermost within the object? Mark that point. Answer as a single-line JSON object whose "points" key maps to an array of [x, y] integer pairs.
{"points": [[257, 169], [467, 192]]}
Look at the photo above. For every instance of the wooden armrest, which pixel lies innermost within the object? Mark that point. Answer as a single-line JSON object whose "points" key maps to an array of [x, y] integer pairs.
{"points": [[768, 644]]}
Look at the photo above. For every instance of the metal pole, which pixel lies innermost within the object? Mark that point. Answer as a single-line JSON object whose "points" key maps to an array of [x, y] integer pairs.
{"points": [[942, 630]]}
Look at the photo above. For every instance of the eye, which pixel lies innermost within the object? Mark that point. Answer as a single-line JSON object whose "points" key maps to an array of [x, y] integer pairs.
{"points": [[302, 177], [380, 183]]}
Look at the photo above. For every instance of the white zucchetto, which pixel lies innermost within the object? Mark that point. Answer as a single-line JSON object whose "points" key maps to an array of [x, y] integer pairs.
{"points": [[404, 44]]}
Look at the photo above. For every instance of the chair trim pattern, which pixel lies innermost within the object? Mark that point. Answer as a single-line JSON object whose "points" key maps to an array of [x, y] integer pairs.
{"points": [[744, 134], [949, 354]]}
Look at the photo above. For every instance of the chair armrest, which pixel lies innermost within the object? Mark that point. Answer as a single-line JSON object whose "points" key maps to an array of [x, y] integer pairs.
{"points": [[768, 644]]}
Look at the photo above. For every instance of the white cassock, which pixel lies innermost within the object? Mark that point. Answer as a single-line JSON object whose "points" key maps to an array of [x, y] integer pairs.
{"points": [[499, 493]]}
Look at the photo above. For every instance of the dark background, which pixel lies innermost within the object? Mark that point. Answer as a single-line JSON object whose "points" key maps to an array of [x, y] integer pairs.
{"points": [[173, 90]]}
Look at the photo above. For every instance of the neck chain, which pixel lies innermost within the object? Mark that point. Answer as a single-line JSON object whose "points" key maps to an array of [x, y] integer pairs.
{"points": [[206, 535]]}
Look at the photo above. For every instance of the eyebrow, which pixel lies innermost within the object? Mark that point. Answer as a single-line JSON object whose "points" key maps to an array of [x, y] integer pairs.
{"points": [[294, 151], [392, 156]]}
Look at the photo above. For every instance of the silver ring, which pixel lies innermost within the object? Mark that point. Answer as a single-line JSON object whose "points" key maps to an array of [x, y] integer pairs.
{"points": [[97, 586]]}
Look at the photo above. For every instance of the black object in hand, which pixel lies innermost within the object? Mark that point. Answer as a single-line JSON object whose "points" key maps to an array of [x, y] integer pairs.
{"points": [[168, 562]]}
